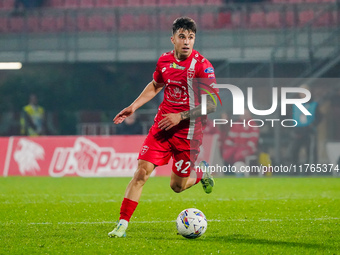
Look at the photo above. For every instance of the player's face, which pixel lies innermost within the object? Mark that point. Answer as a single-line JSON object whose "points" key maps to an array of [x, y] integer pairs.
{"points": [[183, 41]]}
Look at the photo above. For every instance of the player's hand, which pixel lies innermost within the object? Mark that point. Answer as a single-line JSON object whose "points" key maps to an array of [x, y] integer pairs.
{"points": [[170, 120], [120, 117]]}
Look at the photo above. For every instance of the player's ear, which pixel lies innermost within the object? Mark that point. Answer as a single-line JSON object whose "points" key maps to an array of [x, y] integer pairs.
{"points": [[172, 39]]}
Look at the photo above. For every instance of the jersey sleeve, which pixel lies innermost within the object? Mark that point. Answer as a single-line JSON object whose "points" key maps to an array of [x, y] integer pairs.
{"points": [[157, 75]]}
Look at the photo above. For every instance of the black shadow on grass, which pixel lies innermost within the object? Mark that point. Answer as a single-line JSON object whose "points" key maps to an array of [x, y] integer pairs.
{"points": [[244, 239], [251, 240]]}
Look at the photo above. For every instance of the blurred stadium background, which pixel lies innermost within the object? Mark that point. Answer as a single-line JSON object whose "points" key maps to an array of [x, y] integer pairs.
{"points": [[86, 59]]}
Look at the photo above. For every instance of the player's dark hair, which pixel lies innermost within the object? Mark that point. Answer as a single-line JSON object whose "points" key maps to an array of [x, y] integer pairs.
{"points": [[185, 23]]}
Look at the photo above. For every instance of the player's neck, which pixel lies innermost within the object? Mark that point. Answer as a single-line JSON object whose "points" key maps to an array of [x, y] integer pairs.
{"points": [[181, 57]]}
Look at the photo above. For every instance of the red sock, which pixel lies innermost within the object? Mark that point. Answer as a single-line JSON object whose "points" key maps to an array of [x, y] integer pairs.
{"points": [[199, 174], [127, 209]]}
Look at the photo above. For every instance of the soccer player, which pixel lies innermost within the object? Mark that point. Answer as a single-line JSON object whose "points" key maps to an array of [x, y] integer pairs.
{"points": [[177, 130]]}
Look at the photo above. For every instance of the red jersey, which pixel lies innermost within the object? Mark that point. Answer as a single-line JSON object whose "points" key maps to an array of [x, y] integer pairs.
{"points": [[180, 92]]}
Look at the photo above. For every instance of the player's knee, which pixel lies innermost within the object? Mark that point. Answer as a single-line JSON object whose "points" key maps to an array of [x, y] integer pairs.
{"points": [[140, 176], [176, 187]]}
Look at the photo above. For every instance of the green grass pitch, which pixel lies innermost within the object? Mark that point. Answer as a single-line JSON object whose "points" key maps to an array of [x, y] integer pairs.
{"points": [[41, 215]]}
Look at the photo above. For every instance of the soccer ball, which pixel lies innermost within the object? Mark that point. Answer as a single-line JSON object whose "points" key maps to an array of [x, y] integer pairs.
{"points": [[191, 223]]}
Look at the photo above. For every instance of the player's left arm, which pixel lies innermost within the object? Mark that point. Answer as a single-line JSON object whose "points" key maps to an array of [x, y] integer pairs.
{"points": [[172, 119]]}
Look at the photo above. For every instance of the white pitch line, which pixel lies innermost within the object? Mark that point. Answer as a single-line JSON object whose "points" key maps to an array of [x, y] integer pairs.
{"points": [[144, 200], [164, 221]]}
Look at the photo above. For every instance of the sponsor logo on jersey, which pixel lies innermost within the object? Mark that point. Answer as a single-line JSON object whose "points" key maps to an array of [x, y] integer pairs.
{"points": [[211, 76], [163, 70], [172, 81], [174, 65], [209, 70], [176, 95]]}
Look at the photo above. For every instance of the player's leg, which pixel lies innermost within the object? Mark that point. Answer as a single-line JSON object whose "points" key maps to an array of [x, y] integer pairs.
{"points": [[135, 187], [154, 152], [178, 184], [132, 196], [207, 179], [184, 174]]}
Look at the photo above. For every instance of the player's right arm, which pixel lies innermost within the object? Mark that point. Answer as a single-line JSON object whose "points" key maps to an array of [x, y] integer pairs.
{"points": [[150, 91]]}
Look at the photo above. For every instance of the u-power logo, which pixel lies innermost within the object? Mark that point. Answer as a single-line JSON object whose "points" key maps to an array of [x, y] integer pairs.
{"points": [[238, 105]]}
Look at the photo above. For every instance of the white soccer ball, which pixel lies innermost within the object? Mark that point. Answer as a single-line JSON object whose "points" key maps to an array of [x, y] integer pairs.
{"points": [[191, 223]]}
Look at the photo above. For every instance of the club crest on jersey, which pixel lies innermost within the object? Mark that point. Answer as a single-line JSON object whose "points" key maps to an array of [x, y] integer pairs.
{"points": [[191, 73], [144, 149], [174, 65]]}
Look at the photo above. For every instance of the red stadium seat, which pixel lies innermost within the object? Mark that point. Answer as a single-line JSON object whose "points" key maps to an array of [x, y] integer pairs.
{"points": [[82, 23], [109, 22], [166, 20], [182, 2], [208, 20], [6, 4], [297, 1], [95, 23], [326, 19], [71, 4], [150, 2], [134, 3], [224, 20], [47, 24], [194, 16], [98, 22], [56, 3], [70, 23], [103, 3], [119, 2], [197, 2], [87, 3], [305, 17], [59, 23], [146, 22], [127, 22], [33, 24], [163, 22], [273, 19], [214, 2], [256, 20], [289, 19], [3, 24], [16, 24], [166, 2]]}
